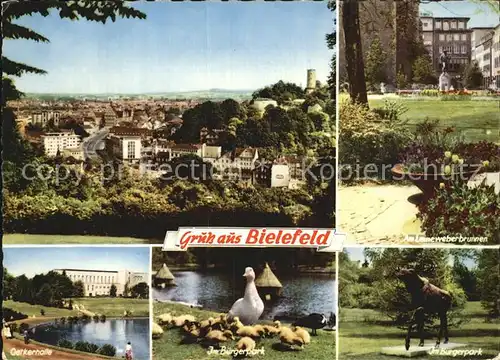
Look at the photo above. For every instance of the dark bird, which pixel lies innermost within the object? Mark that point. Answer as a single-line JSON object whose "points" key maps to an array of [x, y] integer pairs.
{"points": [[332, 321], [312, 321]]}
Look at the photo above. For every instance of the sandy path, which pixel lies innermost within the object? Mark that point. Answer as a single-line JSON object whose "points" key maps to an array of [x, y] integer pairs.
{"points": [[9, 344]]}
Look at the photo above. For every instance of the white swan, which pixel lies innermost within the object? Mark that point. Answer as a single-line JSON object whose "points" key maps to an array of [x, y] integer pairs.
{"points": [[250, 307]]}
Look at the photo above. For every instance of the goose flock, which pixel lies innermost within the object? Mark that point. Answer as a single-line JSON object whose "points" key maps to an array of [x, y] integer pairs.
{"points": [[240, 324]]}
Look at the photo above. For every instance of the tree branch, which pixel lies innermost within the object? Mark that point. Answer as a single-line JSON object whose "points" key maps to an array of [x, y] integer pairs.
{"points": [[14, 31], [10, 67]]}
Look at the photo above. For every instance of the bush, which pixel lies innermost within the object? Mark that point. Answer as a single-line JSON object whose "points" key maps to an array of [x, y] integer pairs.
{"points": [[12, 315], [13, 327], [65, 344], [103, 318], [42, 312], [107, 349], [86, 346], [458, 210], [96, 318], [365, 139]]}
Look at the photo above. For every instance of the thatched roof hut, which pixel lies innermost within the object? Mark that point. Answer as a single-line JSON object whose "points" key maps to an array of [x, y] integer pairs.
{"points": [[164, 277], [268, 284]]}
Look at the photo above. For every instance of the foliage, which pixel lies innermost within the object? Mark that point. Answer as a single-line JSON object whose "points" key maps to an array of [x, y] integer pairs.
{"points": [[459, 210], [423, 71], [331, 40], [401, 81], [65, 344], [86, 346], [368, 140], [12, 315], [281, 92], [23, 327], [78, 290], [140, 291], [112, 291], [466, 278], [488, 278], [392, 111], [375, 63], [472, 77]]}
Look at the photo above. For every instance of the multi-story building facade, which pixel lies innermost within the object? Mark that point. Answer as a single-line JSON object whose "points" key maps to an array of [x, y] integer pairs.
{"points": [[59, 141], [99, 282], [449, 34], [41, 118], [496, 57], [484, 52]]}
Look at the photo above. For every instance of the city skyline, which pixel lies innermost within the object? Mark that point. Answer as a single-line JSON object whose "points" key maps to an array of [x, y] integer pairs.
{"points": [[180, 47], [86, 258]]}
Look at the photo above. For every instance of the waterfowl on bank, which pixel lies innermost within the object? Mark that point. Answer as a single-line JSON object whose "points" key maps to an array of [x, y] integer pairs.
{"points": [[250, 307], [288, 337], [313, 321], [249, 331], [235, 325], [164, 318], [303, 334], [217, 336], [245, 343], [181, 320], [272, 330], [156, 331]]}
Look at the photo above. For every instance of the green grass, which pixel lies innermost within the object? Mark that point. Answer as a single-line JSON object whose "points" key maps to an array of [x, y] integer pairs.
{"points": [[114, 307], [363, 334], [472, 118], [111, 307], [34, 310], [18, 239], [169, 347]]}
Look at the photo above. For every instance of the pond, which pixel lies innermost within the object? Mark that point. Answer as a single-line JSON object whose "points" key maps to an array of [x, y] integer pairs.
{"points": [[302, 293], [116, 332]]}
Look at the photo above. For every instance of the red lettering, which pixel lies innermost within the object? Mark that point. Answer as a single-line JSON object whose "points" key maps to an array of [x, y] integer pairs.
{"points": [[185, 240], [286, 238], [252, 237], [304, 239], [270, 238]]}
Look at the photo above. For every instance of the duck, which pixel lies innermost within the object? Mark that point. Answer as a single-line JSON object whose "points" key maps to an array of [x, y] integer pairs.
{"points": [[332, 320], [303, 334], [235, 325], [217, 336], [191, 336], [220, 323], [272, 330], [157, 331], [249, 331], [250, 307], [182, 319], [312, 321], [164, 318], [245, 343], [288, 337]]}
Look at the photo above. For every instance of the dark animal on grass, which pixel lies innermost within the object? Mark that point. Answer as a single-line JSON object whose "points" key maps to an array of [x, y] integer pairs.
{"points": [[312, 321], [427, 299]]}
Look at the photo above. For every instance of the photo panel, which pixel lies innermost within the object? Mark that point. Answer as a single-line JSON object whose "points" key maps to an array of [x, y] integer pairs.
{"points": [[419, 150], [76, 303], [176, 114], [418, 302], [267, 303]]}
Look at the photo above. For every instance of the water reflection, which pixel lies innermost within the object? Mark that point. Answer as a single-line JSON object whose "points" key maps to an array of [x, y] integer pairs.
{"points": [[116, 332], [302, 293]]}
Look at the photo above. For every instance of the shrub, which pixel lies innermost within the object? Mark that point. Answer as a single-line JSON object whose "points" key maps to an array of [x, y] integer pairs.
{"points": [[86, 346], [459, 210], [65, 344], [365, 139], [107, 349], [42, 312], [12, 315], [103, 318], [93, 348], [96, 318], [13, 327]]}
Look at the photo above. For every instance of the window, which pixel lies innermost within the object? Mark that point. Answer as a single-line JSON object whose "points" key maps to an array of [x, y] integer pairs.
{"points": [[464, 49], [438, 24], [449, 37], [441, 37], [446, 25], [131, 150], [453, 24], [461, 24], [456, 49], [463, 37]]}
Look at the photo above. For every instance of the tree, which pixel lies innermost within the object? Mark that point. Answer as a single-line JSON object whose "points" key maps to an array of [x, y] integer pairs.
{"points": [[401, 81], [112, 291], [9, 284], [140, 290], [78, 289], [423, 71], [488, 277], [353, 53], [45, 296], [331, 40], [375, 63], [473, 77]]}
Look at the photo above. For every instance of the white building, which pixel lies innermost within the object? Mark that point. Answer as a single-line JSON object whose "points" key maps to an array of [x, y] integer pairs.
{"points": [[496, 56], [99, 282], [261, 104], [483, 53], [54, 142], [41, 118], [280, 176]]}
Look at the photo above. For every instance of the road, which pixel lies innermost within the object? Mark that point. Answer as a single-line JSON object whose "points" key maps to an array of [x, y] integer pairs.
{"points": [[93, 143]]}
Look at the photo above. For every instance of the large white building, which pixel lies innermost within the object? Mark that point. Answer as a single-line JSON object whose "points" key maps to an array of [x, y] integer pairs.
{"points": [[99, 282], [482, 53], [496, 56], [41, 118], [59, 141]]}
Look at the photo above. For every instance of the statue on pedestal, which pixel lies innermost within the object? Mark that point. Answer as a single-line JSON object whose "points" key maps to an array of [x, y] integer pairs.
{"points": [[444, 78], [445, 61]]}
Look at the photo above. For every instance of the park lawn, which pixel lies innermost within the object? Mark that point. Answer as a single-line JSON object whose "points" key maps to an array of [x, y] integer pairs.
{"points": [[472, 118], [34, 310], [21, 239], [363, 333], [114, 307], [169, 347]]}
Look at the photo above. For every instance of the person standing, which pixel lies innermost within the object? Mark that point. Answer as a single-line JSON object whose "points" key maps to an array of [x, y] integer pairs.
{"points": [[128, 351], [26, 336]]}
